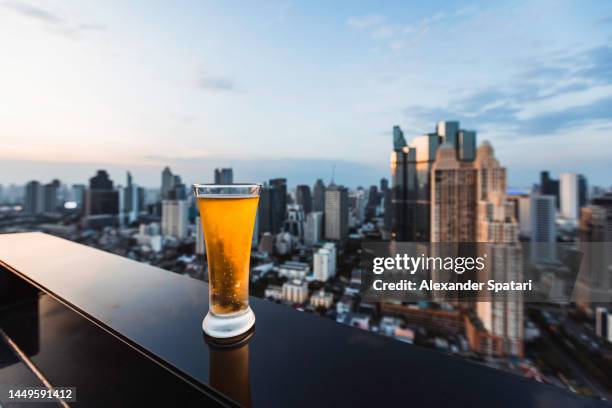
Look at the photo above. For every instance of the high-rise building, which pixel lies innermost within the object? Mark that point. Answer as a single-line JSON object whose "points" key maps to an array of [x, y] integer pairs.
{"points": [[314, 228], [324, 263], [295, 221], [543, 228], [568, 189], [50, 197], [373, 201], [172, 187], [524, 211], [411, 171], [453, 198], [336, 213], [449, 132], [498, 230], [263, 211], [357, 207], [101, 197], [132, 200], [33, 203], [549, 186], [200, 244], [595, 234], [278, 204], [175, 221], [224, 176], [318, 198], [304, 198], [384, 185], [78, 195], [398, 138], [583, 191]]}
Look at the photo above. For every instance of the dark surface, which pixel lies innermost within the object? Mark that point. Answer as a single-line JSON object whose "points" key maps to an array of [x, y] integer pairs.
{"points": [[293, 359], [70, 351]]}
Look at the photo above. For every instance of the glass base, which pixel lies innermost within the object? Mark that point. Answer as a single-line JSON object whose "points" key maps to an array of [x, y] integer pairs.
{"points": [[226, 327]]}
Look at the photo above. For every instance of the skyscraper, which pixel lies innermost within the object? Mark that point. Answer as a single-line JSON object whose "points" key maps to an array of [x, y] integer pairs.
{"points": [[549, 186], [304, 198], [411, 171], [224, 176], [278, 204], [33, 203], [50, 197], [583, 191], [132, 200], [318, 201], [167, 180], [498, 228], [314, 228], [543, 228], [453, 198], [175, 220], [172, 187], [398, 138], [78, 195], [595, 235], [568, 189], [336, 213], [101, 197]]}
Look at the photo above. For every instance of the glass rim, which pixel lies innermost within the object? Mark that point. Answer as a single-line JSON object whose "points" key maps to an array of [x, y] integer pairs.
{"points": [[234, 190]]}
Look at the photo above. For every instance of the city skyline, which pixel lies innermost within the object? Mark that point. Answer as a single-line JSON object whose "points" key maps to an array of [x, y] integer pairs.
{"points": [[272, 96]]}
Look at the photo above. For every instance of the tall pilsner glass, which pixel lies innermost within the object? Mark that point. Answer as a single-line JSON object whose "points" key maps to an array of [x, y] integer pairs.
{"points": [[227, 213]]}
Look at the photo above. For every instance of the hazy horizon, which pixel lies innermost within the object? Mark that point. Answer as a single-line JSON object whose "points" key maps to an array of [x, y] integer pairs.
{"points": [[284, 89]]}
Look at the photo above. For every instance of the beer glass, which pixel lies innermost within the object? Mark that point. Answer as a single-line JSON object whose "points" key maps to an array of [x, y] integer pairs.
{"points": [[227, 214]]}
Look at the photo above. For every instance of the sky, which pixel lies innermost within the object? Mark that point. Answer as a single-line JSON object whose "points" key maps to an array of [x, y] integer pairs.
{"points": [[301, 90]]}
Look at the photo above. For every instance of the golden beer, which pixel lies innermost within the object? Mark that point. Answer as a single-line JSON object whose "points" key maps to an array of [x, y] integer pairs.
{"points": [[228, 232], [227, 214]]}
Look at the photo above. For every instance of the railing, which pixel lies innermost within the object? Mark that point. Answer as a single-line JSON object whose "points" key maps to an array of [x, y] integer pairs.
{"points": [[126, 333]]}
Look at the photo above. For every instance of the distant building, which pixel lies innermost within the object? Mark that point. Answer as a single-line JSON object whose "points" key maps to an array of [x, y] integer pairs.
{"points": [[78, 192], [295, 291], [357, 206], [304, 198], [50, 193], [224, 176], [543, 228], [322, 299], [132, 200], [200, 244], [33, 203], [569, 196], [175, 220], [336, 213], [272, 210], [524, 211], [324, 263], [595, 235], [295, 221], [172, 187], [453, 198], [101, 198], [549, 186], [294, 270], [318, 198], [314, 228]]}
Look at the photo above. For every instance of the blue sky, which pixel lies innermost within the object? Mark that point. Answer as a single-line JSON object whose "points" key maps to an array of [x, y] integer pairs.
{"points": [[293, 88]]}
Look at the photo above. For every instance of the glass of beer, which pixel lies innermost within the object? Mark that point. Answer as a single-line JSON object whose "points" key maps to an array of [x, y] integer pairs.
{"points": [[227, 213]]}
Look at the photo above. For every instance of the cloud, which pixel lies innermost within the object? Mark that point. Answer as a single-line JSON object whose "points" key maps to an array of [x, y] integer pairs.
{"points": [[52, 21], [541, 100], [217, 84], [366, 21]]}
